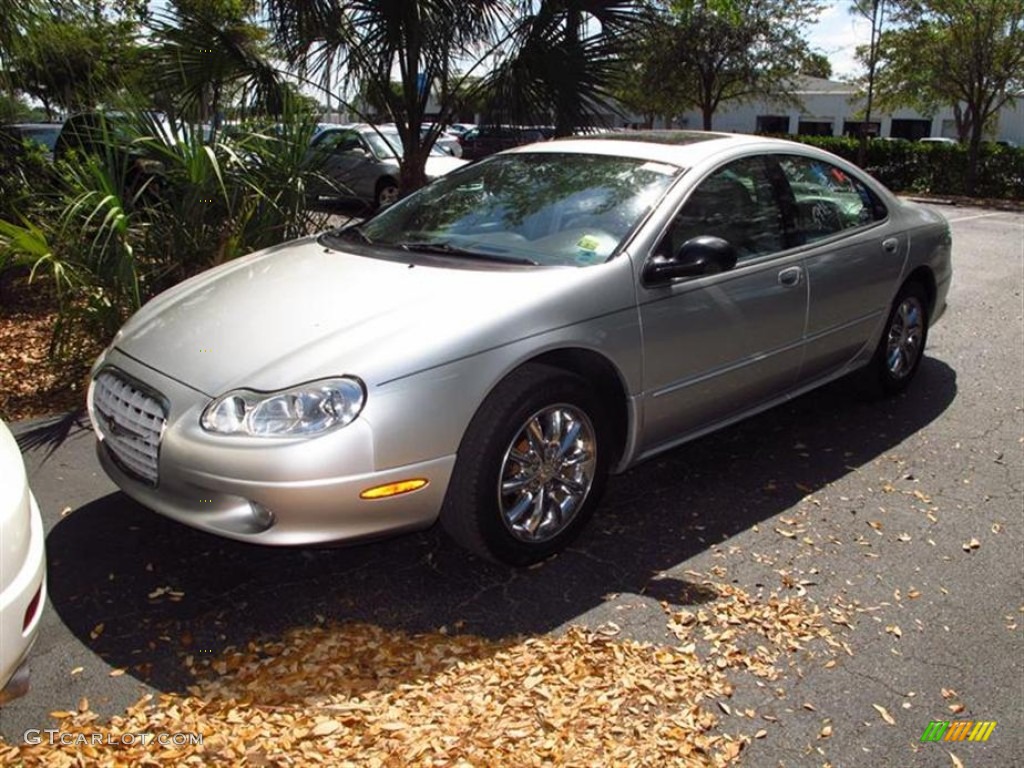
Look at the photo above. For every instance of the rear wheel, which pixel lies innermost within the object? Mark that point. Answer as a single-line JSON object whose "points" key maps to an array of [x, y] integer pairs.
{"points": [[532, 467], [901, 347]]}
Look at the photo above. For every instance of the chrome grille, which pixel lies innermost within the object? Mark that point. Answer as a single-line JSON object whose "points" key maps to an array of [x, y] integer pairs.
{"points": [[131, 422]]}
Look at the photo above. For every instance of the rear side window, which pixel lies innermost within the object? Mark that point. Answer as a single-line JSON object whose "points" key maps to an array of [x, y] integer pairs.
{"points": [[827, 199]]}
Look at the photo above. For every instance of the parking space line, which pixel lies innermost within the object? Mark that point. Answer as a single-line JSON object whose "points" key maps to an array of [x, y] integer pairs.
{"points": [[978, 216]]}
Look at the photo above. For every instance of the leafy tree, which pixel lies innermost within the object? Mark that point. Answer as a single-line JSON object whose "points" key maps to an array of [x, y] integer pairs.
{"points": [[640, 86], [717, 51], [74, 62], [874, 11], [968, 55], [816, 64]]}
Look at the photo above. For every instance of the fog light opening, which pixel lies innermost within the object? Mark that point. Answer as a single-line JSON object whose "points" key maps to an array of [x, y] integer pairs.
{"points": [[263, 517], [32, 610], [394, 489]]}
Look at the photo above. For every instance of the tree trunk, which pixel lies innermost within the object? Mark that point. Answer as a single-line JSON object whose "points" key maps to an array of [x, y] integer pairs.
{"points": [[412, 169], [973, 152], [567, 105], [708, 114]]}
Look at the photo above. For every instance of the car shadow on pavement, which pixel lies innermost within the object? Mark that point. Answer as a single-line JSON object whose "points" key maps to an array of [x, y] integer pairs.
{"points": [[143, 592]]}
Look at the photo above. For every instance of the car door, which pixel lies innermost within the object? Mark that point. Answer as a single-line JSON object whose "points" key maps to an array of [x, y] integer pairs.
{"points": [[853, 256], [719, 345], [344, 158]]}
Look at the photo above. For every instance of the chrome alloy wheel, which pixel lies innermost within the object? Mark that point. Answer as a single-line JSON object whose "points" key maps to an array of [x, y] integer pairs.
{"points": [[547, 472], [906, 336]]}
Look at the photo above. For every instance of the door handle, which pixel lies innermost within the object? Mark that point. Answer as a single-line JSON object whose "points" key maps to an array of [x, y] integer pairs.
{"points": [[791, 276], [890, 245]]}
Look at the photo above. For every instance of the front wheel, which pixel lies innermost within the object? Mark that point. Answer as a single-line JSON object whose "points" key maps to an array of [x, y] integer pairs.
{"points": [[531, 468], [387, 193], [901, 347]]}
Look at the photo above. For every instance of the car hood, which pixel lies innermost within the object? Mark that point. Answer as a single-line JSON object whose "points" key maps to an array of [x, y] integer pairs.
{"points": [[301, 311]]}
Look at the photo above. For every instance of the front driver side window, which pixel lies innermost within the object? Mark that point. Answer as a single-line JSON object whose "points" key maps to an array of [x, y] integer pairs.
{"points": [[736, 203]]}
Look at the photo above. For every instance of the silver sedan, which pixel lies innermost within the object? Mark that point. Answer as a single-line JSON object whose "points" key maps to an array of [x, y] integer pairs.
{"points": [[488, 350], [361, 162]]}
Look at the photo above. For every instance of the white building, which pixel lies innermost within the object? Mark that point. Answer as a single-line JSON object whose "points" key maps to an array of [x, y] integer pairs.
{"points": [[832, 108]]}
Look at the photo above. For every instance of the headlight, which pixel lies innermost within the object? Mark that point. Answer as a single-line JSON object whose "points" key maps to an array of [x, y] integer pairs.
{"points": [[308, 409]]}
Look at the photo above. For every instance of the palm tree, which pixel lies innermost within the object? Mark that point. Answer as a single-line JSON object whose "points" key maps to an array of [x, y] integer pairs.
{"points": [[552, 56], [567, 61], [202, 59], [368, 40]]}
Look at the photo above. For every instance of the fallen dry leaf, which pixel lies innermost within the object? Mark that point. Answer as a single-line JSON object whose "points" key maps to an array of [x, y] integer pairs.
{"points": [[363, 695], [971, 545], [956, 760], [885, 714]]}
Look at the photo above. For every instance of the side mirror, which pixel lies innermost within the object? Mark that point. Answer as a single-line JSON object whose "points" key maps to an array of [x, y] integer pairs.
{"points": [[702, 255]]}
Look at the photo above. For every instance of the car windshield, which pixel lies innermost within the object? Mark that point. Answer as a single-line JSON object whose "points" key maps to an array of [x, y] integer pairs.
{"points": [[44, 134], [541, 208]]}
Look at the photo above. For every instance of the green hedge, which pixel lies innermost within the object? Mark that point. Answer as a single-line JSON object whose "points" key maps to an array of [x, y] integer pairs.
{"points": [[939, 169]]}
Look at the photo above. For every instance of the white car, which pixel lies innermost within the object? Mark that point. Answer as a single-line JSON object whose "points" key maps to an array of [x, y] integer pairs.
{"points": [[22, 569]]}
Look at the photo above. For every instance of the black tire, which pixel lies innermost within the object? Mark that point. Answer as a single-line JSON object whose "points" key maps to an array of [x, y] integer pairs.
{"points": [[901, 347], [386, 194], [483, 519]]}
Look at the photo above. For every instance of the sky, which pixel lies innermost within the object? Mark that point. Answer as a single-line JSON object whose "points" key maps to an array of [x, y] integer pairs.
{"points": [[837, 34]]}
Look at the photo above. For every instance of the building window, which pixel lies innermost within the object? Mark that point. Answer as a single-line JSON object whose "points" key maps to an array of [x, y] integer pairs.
{"points": [[815, 128], [854, 128], [773, 124], [910, 129]]}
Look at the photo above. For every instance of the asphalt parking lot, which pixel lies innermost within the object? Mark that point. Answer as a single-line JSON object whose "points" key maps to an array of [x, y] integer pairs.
{"points": [[906, 513]]}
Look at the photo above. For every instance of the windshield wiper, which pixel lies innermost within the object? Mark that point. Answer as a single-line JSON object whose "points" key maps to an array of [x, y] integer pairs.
{"points": [[447, 249], [348, 233]]}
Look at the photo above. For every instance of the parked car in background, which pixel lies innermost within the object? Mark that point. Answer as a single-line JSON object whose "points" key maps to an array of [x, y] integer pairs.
{"points": [[113, 138], [460, 129], [22, 569], [938, 140], [487, 350], [485, 140], [14, 135], [362, 161], [447, 142]]}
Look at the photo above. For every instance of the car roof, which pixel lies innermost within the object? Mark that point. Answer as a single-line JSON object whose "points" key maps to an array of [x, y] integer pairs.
{"points": [[362, 128], [48, 126], [682, 148]]}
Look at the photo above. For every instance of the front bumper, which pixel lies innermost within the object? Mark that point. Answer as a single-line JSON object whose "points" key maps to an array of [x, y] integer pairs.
{"points": [[271, 491], [23, 598]]}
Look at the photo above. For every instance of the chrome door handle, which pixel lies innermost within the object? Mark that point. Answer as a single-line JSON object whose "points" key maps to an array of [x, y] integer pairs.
{"points": [[791, 276], [890, 245]]}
